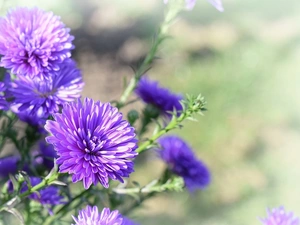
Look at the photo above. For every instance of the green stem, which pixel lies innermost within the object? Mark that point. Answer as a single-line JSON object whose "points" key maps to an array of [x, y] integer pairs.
{"points": [[61, 212], [9, 119], [190, 106], [44, 183], [73, 199], [51, 177], [146, 64], [126, 191], [138, 203], [175, 121]]}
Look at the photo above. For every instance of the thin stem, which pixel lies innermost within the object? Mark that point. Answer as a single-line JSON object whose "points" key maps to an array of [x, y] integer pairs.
{"points": [[192, 105], [44, 183], [172, 125], [63, 208], [73, 199], [27, 207], [146, 64], [138, 203]]}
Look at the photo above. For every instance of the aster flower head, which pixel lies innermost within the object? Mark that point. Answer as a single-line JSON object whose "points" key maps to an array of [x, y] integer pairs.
{"points": [[91, 216], [151, 93], [92, 142], [8, 165], [33, 41], [182, 161], [278, 216], [38, 98], [190, 4]]}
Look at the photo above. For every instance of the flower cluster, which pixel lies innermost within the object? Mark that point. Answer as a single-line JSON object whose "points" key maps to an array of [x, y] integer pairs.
{"points": [[35, 46], [91, 216], [87, 139], [182, 161], [93, 142]]}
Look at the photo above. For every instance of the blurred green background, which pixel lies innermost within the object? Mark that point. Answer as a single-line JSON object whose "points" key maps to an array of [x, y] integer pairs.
{"points": [[245, 62]]}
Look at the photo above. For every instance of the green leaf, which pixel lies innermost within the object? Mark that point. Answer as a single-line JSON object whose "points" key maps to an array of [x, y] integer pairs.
{"points": [[57, 182], [17, 214]]}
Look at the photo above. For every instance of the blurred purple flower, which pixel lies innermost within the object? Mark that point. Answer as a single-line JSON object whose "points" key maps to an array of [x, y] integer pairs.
{"points": [[3, 102], [91, 216], [127, 221], [33, 41], [36, 120], [48, 196], [38, 97], [93, 142], [182, 161], [48, 154], [190, 4], [8, 165], [151, 93], [278, 216], [217, 4]]}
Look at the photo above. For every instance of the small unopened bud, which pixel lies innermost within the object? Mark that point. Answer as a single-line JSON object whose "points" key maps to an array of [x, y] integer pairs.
{"points": [[132, 116]]}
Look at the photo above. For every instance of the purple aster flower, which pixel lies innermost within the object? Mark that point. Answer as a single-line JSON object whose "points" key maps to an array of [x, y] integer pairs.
{"points": [[3, 102], [93, 142], [36, 120], [38, 98], [27, 117], [190, 4], [151, 93], [182, 161], [8, 165], [33, 41], [11, 165], [278, 216], [48, 153], [91, 216], [42, 156]]}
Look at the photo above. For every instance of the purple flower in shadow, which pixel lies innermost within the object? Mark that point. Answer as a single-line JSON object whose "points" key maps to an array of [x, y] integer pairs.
{"points": [[182, 162]]}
